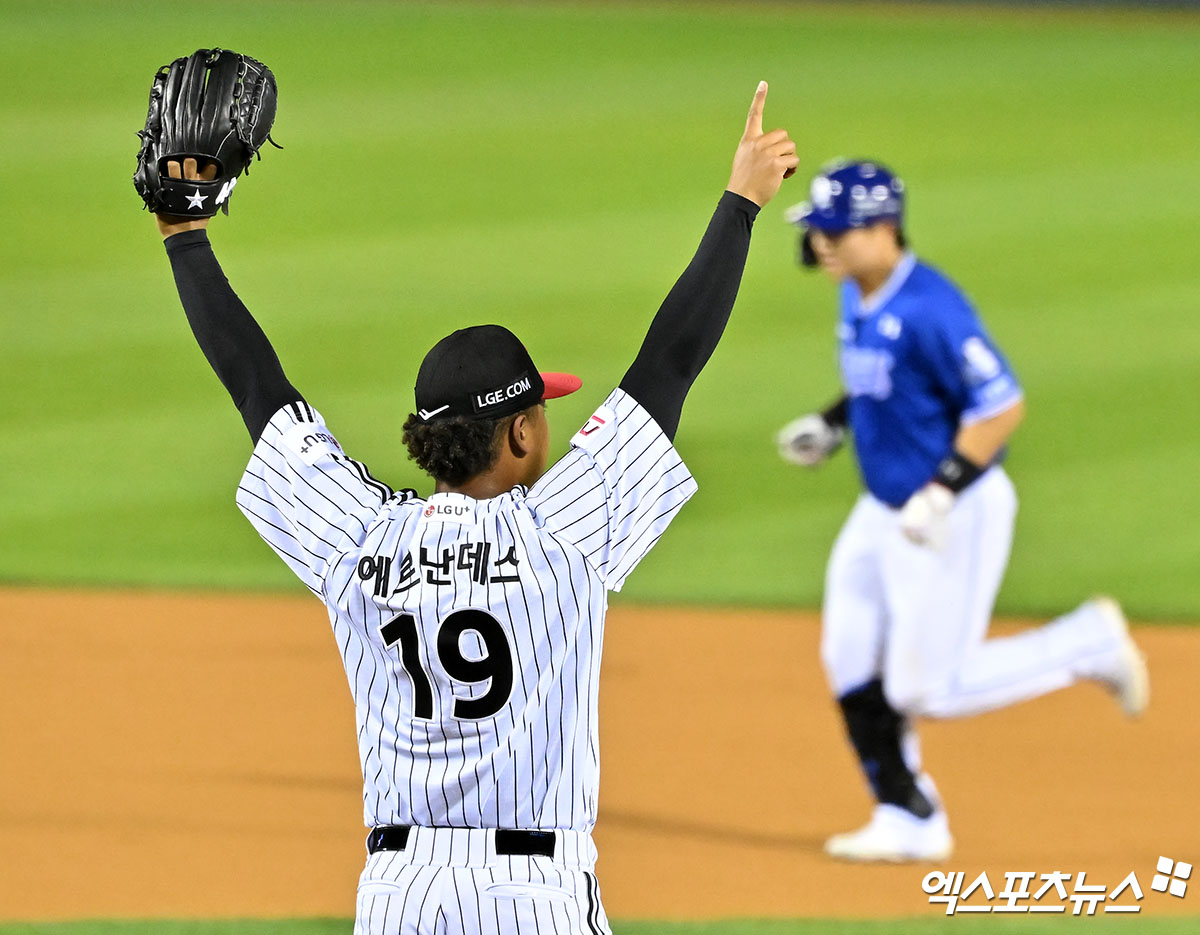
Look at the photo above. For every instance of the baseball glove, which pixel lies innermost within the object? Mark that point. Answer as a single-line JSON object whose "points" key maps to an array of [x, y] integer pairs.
{"points": [[216, 106]]}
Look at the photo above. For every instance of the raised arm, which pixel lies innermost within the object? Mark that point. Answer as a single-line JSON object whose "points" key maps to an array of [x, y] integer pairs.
{"points": [[692, 318], [234, 344]]}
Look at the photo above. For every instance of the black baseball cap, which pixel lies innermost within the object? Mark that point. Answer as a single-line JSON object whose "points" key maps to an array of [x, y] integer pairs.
{"points": [[483, 372]]}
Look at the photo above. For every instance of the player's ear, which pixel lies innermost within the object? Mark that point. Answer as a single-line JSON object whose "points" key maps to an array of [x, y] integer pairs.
{"points": [[520, 435], [891, 232]]}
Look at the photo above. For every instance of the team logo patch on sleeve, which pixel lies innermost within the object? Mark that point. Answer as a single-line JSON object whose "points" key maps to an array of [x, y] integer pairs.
{"points": [[979, 363], [597, 429], [311, 443]]}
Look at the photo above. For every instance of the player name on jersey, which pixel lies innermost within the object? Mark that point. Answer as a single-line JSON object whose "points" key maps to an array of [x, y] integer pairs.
{"points": [[435, 569]]}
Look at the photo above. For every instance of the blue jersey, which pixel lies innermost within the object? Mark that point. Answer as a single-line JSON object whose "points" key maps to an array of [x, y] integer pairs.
{"points": [[917, 364]]}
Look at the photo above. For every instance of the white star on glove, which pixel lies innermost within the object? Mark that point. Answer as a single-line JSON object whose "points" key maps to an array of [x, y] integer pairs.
{"points": [[197, 200]]}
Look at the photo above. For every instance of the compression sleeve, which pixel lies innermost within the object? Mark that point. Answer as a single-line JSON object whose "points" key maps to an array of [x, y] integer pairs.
{"points": [[838, 414], [692, 318], [230, 338]]}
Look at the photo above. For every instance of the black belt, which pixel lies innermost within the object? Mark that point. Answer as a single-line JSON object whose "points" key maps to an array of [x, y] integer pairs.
{"points": [[509, 843]]}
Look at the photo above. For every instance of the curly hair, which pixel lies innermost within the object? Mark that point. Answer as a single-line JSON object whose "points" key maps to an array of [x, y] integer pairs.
{"points": [[455, 450]]}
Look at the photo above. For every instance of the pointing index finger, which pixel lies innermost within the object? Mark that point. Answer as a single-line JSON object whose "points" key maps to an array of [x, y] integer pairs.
{"points": [[754, 118]]}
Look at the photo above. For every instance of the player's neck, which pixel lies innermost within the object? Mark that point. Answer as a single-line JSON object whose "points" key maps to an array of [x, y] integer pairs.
{"points": [[502, 477], [871, 279], [481, 487]]}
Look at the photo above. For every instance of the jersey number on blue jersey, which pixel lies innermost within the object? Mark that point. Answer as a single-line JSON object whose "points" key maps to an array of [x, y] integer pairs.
{"points": [[495, 665]]}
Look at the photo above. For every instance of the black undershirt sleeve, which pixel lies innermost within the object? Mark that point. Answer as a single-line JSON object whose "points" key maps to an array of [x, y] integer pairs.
{"points": [[692, 318], [838, 414], [230, 338]]}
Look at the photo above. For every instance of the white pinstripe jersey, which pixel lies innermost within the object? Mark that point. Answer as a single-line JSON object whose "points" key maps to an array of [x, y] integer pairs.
{"points": [[470, 629]]}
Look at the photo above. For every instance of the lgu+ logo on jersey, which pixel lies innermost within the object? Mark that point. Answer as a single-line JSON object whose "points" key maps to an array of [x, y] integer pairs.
{"points": [[448, 510], [317, 438]]}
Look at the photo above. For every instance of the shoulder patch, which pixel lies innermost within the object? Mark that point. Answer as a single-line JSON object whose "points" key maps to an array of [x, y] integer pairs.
{"points": [[981, 364], [311, 442], [598, 428]]}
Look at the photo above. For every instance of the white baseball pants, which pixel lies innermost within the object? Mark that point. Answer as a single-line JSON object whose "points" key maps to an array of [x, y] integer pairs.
{"points": [[918, 618], [451, 881]]}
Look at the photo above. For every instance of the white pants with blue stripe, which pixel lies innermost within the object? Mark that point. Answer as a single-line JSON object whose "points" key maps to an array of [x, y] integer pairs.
{"points": [[918, 618], [451, 881]]}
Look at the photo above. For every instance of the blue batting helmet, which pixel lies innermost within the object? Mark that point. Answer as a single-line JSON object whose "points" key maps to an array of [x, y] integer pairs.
{"points": [[846, 195], [851, 194]]}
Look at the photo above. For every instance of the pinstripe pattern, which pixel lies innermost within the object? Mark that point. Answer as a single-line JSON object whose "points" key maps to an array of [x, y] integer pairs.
{"points": [[475, 890], [539, 563]]}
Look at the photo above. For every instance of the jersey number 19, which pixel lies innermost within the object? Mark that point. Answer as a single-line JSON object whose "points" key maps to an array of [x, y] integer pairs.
{"points": [[494, 666]]}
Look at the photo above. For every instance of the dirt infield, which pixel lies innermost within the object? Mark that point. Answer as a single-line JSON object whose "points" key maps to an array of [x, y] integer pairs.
{"points": [[194, 756]]}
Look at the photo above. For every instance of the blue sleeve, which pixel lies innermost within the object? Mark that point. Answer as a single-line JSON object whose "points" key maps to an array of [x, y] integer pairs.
{"points": [[966, 363]]}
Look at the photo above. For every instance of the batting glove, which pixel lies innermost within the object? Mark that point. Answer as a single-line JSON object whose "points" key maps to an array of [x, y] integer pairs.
{"points": [[925, 518], [809, 440]]}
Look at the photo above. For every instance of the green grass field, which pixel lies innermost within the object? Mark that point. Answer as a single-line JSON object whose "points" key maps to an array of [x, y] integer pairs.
{"points": [[551, 167]]}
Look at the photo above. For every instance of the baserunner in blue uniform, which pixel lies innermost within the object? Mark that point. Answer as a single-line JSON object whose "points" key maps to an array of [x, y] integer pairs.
{"points": [[931, 404]]}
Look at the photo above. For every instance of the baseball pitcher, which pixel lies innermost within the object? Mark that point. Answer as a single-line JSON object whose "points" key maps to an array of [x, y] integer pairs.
{"points": [[470, 621]]}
